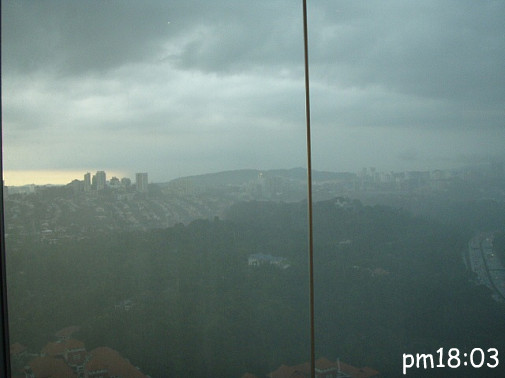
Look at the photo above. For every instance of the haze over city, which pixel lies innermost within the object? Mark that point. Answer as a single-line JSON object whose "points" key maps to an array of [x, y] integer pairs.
{"points": [[188, 87], [155, 219]]}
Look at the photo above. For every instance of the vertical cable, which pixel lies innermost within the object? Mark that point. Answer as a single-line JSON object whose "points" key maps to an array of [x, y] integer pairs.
{"points": [[4, 355], [309, 195]]}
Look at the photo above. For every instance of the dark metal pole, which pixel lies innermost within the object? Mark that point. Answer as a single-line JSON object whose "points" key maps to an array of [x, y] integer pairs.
{"points": [[4, 355], [309, 195]]}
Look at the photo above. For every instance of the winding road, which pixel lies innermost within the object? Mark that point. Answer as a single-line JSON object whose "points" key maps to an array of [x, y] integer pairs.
{"points": [[486, 264]]}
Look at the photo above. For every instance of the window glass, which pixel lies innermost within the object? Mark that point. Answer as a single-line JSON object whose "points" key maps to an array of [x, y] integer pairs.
{"points": [[155, 187], [408, 106], [150, 153]]}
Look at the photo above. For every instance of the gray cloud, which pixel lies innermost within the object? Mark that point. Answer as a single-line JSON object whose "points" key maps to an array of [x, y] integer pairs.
{"points": [[210, 85], [451, 49], [76, 37]]}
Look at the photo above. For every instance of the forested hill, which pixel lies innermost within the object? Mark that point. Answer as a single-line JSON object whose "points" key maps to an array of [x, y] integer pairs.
{"points": [[244, 176], [387, 283]]}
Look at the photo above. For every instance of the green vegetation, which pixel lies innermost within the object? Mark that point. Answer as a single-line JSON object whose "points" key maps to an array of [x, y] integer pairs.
{"points": [[499, 245], [387, 283]]}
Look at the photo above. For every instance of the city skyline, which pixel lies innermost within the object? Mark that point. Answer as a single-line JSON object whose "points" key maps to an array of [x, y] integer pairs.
{"points": [[56, 177], [41, 178], [213, 86], [66, 177]]}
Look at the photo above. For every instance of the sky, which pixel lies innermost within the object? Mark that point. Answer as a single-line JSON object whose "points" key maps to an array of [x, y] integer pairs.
{"points": [[185, 87]]}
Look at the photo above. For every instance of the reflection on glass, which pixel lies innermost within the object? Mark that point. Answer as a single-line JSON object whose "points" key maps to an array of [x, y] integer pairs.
{"points": [[156, 209], [147, 149], [409, 249]]}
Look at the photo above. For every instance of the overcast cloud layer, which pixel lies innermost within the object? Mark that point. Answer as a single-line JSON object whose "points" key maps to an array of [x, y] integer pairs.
{"points": [[184, 87]]}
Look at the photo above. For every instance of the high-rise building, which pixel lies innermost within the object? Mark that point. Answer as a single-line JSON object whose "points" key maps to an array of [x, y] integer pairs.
{"points": [[87, 182], [141, 182], [100, 180]]}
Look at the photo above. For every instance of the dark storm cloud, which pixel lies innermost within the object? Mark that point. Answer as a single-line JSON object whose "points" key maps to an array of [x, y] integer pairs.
{"points": [[244, 36], [72, 37], [450, 49], [80, 36], [433, 49], [102, 78], [444, 58]]}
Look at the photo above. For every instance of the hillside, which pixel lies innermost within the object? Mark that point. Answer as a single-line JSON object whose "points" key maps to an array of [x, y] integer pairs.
{"points": [[386, 283]]}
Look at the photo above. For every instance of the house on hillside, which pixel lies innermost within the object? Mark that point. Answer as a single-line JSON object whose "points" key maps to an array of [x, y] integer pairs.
{"points": [[324, 369], [48, 367], [259, 259], [105, 362], [19, 356], [75, 355], [18, 351], [249, 375], [285, 371], [68, 358], [71, 351], [96, 369]]}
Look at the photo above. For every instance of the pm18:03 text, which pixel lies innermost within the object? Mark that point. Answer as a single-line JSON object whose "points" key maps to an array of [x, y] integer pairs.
{"points": [[476, 358]]}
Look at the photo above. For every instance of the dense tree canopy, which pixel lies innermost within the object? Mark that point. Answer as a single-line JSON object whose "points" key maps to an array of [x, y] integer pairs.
{"points": [[387, 283]]}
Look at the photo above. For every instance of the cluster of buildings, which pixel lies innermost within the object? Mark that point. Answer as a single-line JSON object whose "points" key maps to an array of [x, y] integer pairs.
{"points": [[99, 182], [68, 357], [324, 368], [91, 183], [370, 178]]}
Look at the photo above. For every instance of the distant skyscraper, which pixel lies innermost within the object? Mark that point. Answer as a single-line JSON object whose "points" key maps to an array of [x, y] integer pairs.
{"points": [[141, 182], [126, 182], [100, 180], [87, 182]]}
